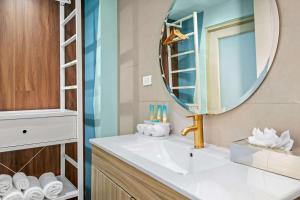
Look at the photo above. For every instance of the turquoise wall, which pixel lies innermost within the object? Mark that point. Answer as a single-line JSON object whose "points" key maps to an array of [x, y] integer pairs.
{"points": [[91, 12], [100, 31], [106, 84], [228, 11]]}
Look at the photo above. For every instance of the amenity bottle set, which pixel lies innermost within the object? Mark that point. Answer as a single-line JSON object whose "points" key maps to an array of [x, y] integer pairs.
{"points": [[159, 114], [157, 125]]}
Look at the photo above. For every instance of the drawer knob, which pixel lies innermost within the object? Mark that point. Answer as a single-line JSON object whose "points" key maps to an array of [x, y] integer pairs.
{"points": [[24, 131]]}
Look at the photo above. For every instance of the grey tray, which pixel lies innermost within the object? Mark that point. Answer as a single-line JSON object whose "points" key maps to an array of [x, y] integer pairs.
{"points": [[272, 160]]}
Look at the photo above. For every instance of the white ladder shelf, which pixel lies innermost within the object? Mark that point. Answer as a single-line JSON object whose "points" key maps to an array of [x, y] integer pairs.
{"points": [[195, 51], [78, 87]]}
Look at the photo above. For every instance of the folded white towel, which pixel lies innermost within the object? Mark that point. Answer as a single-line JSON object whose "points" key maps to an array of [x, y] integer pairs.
{"points": [[269, 138], [141, 128], [21, 181], [5, 184], [50, 185], [34, 192], [160, 130], [14, 194]]}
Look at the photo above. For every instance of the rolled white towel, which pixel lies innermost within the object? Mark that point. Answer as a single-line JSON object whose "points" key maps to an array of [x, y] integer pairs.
{"points": [[144, 128], [14, 194], [160, 130], [34, 192], [50, 185], [21, 181], [140, 128], [5, 184]]}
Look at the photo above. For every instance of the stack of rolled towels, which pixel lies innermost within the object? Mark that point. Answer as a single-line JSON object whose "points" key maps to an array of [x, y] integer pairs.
{"points": [[22, 187]]}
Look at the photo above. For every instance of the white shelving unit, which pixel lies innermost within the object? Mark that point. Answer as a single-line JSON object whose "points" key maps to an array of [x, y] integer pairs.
{"points": [[39, 128], [194, 51], [70, 190]]}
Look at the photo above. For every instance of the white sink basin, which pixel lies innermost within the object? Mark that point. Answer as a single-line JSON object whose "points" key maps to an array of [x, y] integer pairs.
{"points": [[176, 156], [204, 174]]}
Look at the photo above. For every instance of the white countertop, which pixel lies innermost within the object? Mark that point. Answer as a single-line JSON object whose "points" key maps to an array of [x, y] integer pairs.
{"points": [[228, 181]]}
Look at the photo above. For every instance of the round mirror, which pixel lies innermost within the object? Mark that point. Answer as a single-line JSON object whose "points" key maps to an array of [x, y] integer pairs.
{"points": [[214, 54]]}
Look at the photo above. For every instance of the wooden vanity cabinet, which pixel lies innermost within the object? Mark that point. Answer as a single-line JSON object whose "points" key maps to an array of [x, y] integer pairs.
{"points": [[113, 179], [104, 188]]}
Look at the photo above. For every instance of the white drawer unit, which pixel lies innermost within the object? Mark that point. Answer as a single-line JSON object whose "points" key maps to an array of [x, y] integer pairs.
{"points": [[37, 128]]}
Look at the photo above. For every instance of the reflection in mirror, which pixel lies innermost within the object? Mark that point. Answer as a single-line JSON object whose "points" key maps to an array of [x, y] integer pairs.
{"points": [[215, 53]]}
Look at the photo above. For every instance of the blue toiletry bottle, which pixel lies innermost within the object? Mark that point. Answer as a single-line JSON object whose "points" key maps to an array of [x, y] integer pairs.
{"points": [[152, 113]]}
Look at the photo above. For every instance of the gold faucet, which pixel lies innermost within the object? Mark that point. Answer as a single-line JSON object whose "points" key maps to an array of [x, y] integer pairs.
{"points": [[198, 131]]}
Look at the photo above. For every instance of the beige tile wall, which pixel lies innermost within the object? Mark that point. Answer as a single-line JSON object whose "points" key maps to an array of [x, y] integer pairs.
{"points": [[276, 104]]}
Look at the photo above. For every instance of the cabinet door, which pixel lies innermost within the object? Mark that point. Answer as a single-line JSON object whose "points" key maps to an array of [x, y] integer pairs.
{"points": [[104, 189]]}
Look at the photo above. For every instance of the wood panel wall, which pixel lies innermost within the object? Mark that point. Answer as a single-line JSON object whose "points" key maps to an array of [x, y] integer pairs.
{"points": [[29, 75], [29, 52]]}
